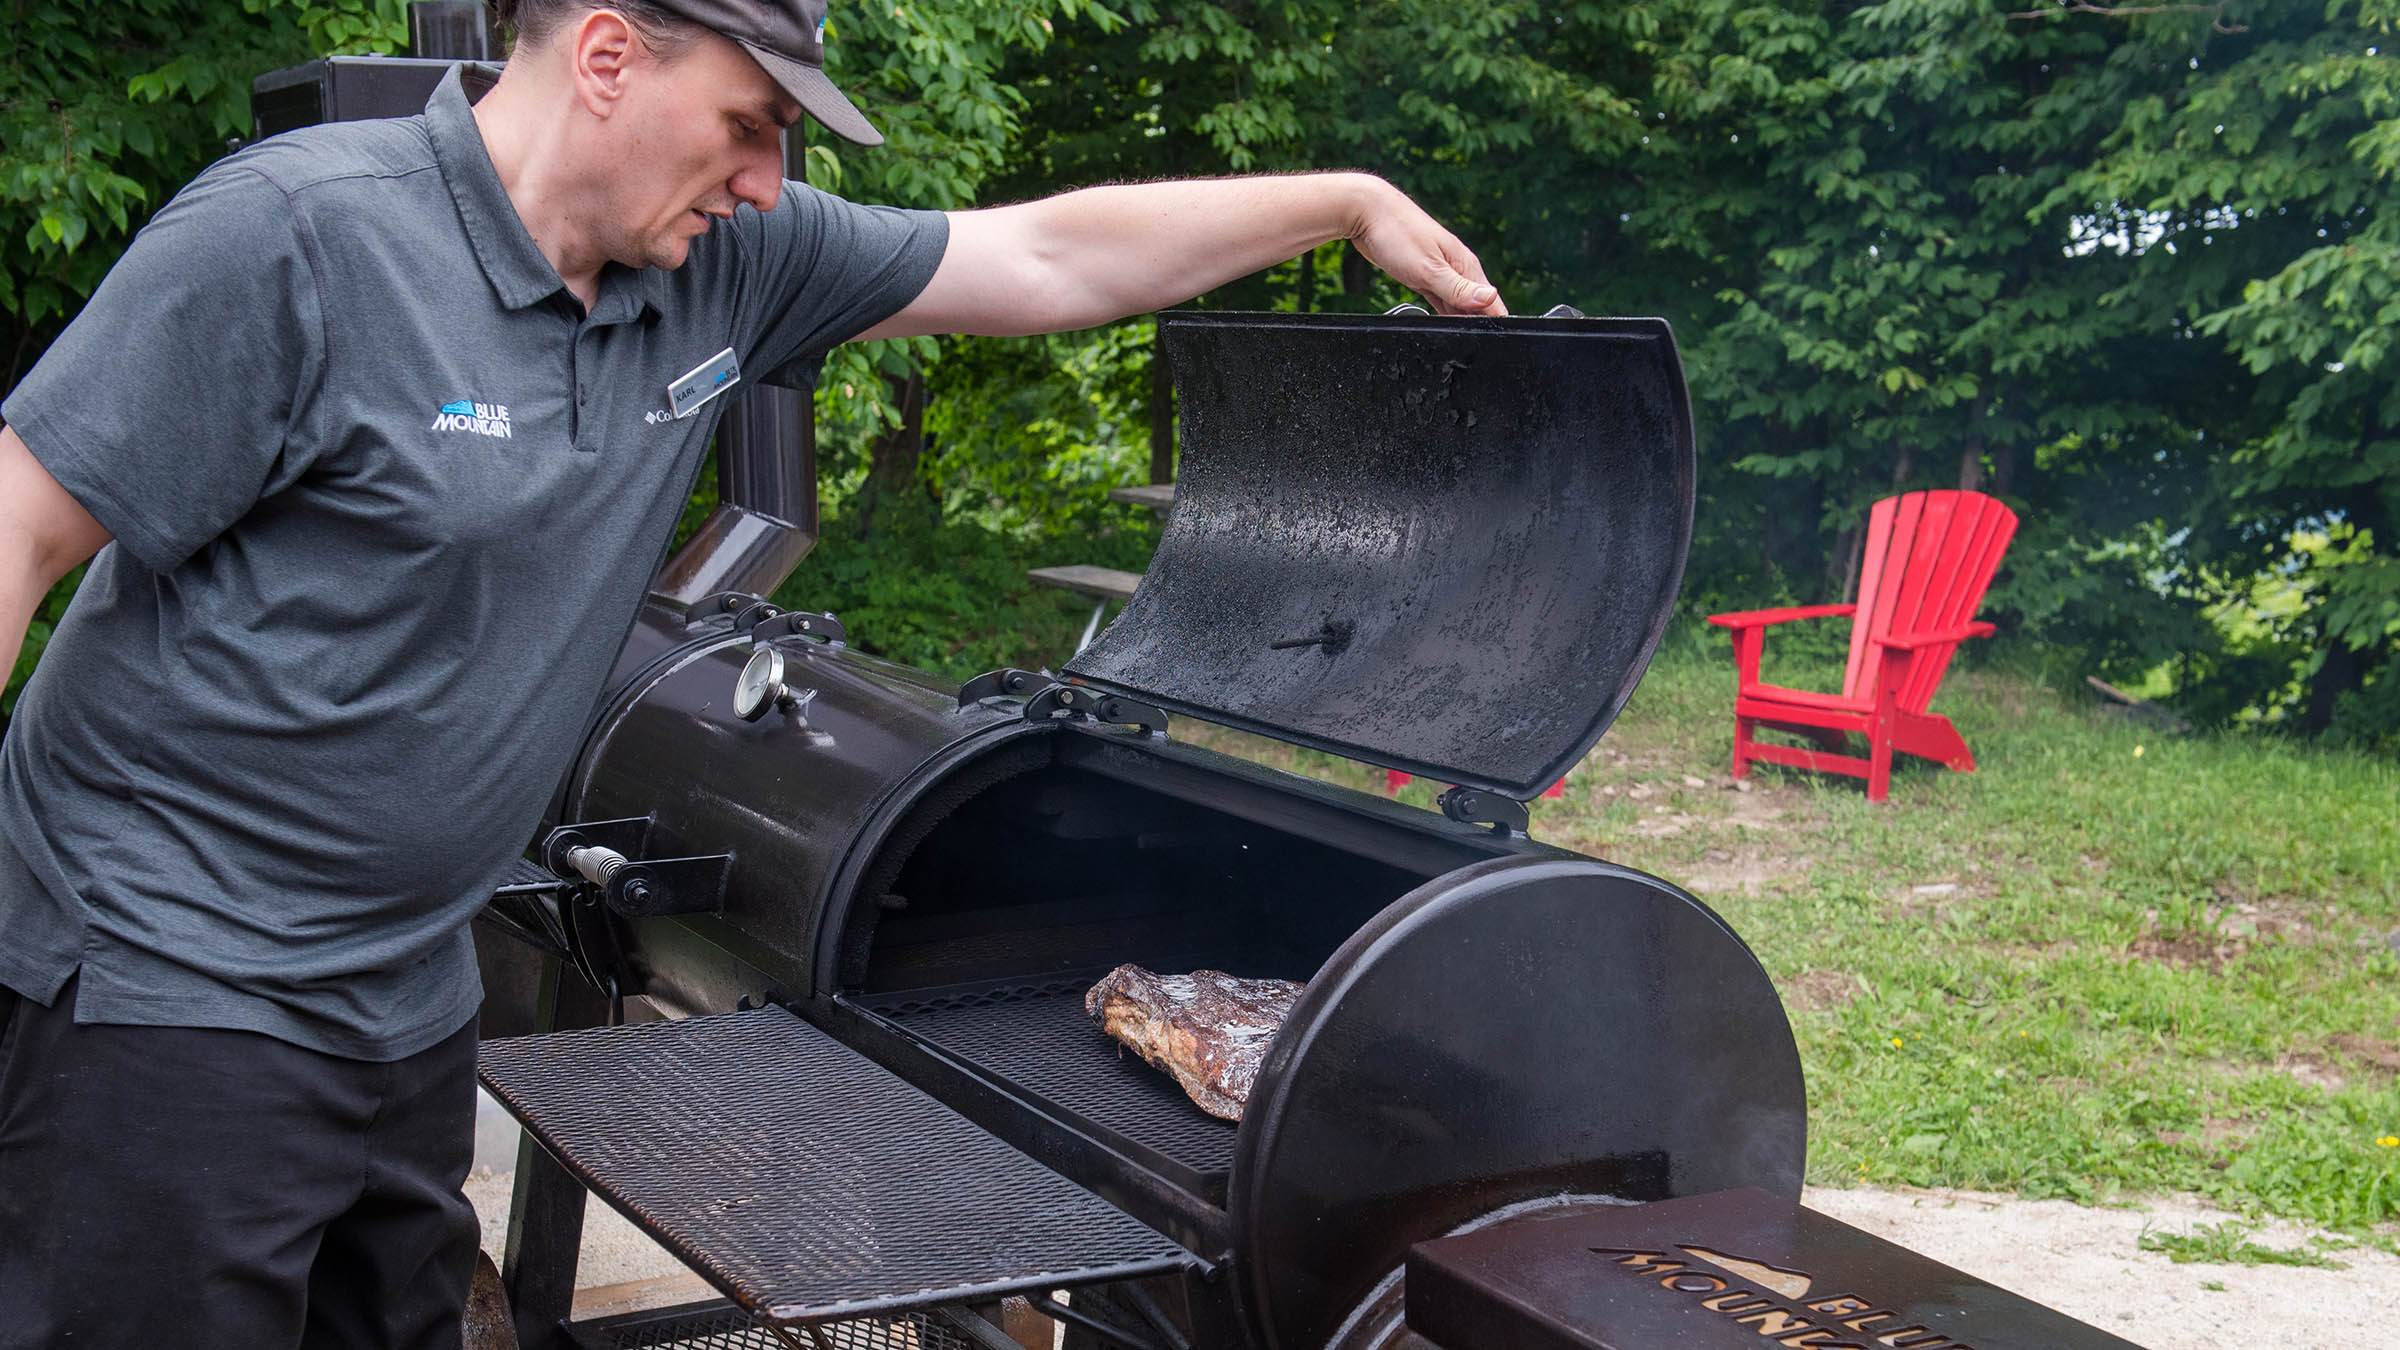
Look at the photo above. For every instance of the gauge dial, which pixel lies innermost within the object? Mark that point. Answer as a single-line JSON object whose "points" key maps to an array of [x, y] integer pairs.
{"points": [[761, 680]]}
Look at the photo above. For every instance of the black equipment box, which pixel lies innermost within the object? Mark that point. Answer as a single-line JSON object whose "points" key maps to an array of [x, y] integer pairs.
{"points": [[351, 88]]}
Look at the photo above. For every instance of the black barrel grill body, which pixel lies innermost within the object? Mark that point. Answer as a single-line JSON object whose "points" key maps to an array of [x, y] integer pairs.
{"points": [[1443, 545]]}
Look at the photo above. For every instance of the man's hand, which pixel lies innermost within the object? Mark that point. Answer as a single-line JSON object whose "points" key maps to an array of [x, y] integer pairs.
{"points": [[43, 533], [1404, 241], [1090, 257]]}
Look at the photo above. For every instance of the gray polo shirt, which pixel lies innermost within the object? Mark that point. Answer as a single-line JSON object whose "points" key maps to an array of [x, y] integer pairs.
{"points": [[385, 500]]}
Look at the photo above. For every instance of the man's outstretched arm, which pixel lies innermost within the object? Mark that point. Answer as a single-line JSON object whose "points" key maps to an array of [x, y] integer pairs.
{"points": [[43, 533], [1089, 257]]}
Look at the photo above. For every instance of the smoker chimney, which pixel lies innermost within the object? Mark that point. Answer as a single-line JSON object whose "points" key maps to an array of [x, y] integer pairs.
{"points": [[449, 30]]}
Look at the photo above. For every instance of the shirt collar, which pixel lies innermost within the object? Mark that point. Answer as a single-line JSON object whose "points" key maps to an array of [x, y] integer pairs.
{"points": [[628, 293], [512, 262]]}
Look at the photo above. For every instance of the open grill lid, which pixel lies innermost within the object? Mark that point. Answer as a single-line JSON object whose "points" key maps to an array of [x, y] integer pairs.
{"points": [[1443, 545]]}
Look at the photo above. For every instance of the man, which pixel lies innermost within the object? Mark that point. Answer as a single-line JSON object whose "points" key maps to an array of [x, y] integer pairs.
{"points": [[372, 432]]}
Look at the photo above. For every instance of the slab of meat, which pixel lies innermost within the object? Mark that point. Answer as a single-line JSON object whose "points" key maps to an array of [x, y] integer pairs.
{"points": [[1208, 1028]]}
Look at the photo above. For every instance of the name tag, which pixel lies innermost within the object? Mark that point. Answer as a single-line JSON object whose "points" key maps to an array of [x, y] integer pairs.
{"points": [[688, 391]]}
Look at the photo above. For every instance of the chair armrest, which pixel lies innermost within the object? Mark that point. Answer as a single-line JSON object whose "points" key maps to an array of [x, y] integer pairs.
{"points": [[1909, 642], [1760, 618]]}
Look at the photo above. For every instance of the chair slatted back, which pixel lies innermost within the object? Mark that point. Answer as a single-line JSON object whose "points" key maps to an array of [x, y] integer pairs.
{"points": [[1929, 558]]}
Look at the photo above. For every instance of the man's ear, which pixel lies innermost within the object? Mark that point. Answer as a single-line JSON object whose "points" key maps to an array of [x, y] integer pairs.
{"points": [[600, 51]]}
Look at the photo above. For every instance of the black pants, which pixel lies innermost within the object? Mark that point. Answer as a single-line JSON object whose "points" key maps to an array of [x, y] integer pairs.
{"points": [[174, 1186]]}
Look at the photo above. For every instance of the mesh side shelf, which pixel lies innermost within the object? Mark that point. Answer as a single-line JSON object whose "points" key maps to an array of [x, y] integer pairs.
{"points": [[1040, 1038], [805, 1181], [722, 1326]]}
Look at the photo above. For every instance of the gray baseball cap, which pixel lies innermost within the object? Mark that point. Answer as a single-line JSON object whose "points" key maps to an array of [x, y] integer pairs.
{"points": [[787, 39]]}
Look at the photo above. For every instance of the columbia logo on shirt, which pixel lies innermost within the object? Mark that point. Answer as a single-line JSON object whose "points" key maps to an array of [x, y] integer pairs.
{"points": [[484, 419]]}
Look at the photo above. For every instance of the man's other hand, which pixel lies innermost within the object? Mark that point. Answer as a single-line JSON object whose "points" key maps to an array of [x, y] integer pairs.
{"points": [[1396, 235]]}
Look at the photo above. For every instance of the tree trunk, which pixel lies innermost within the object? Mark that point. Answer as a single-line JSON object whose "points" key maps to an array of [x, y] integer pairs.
{"points": [[1358, 275], [1970, 457], [1307, 291], [2004, 454], [1162, 415], [2344, 669], [1849, 551], [894, 455], [2340, 673], [1797, 531]]}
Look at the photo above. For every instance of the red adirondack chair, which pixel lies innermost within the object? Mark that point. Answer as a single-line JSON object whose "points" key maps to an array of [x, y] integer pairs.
{"points": [[1929, 558]]}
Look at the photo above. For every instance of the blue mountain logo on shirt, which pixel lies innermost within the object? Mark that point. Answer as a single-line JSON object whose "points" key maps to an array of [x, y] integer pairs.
{"points": [[484, 419]]}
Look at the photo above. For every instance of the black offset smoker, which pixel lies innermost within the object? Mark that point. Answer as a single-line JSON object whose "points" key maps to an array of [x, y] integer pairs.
{"points": [[870, 903]]}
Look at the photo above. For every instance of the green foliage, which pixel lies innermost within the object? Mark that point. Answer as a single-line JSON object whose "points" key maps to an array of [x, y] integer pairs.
{"points": [[106, 111], [2228, 1243], [930, 77], [1023, 440], [1028, 434], [2131, 273], [2273, 214], [953, 597]]}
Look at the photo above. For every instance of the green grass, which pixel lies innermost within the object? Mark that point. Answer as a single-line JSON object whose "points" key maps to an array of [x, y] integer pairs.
{"points": [[2111, 962], [2228, 1243]]}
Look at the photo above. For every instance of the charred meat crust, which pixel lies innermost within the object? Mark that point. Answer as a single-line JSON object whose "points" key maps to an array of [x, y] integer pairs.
{"points": [[1209, 1029]]}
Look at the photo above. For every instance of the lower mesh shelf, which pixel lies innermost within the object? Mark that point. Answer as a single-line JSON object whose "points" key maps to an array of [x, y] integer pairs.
{"points": [[720, 1325], [1038, 1037]]}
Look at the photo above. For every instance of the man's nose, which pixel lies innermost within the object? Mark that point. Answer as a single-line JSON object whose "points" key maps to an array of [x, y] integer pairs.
{"points": [[760, 181]]}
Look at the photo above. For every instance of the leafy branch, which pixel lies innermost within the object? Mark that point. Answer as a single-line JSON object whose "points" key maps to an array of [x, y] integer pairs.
{"points": [[2216, 12]]}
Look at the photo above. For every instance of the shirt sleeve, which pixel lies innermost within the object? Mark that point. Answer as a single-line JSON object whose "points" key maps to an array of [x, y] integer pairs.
{"points": [[187, 389], [819, 270]]}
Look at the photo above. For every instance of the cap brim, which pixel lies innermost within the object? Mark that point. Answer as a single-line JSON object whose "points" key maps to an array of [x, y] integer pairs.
{"points": [[808, 86]]}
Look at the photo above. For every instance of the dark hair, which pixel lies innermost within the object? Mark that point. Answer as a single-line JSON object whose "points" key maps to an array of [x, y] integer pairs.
{"points": [[533, 22]]}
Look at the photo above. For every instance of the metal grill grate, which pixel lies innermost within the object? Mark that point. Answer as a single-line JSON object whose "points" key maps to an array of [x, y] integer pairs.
{"points": [[800, 1177], [722, 1326], [1038, 1037]]}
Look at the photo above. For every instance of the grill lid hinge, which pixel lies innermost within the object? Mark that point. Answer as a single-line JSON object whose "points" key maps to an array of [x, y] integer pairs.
{"points": [[1047, 696], [763, 620], [1475, 806]]}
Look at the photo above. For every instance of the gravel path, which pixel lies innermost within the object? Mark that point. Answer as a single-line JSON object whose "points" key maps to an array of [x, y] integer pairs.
{"points": [[2084, 1262]]}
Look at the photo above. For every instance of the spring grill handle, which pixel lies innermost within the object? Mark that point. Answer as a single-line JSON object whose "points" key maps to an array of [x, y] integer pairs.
{"points": [[608, 855], [594, 863]]}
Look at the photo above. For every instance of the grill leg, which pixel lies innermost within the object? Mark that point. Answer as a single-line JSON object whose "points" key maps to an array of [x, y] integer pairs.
{"points": [[545, 1212]]}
